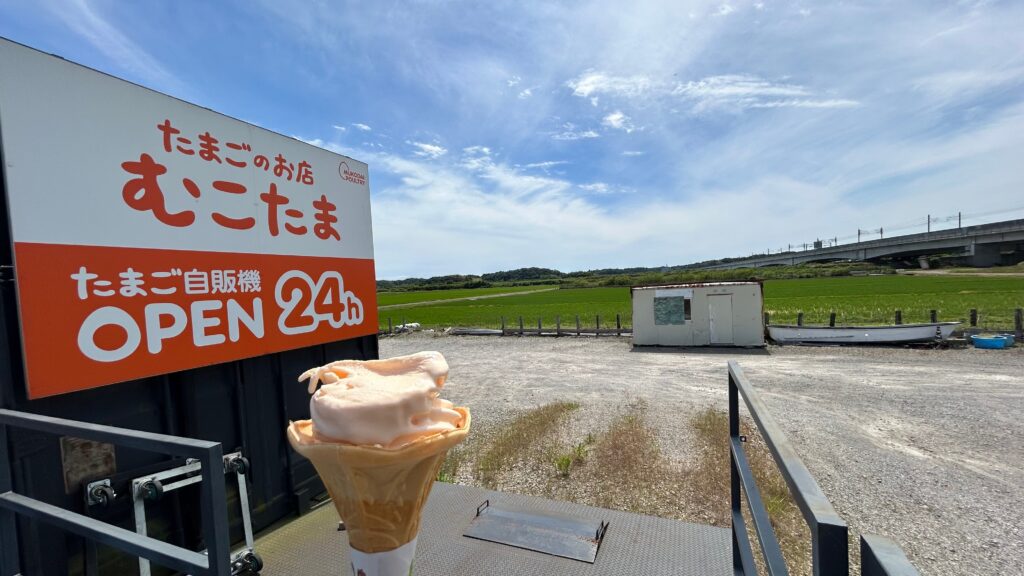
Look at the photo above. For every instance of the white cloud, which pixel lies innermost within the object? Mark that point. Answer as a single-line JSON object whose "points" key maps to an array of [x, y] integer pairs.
{"points": [[513, 81], [362, 127], [340, 128], [596, 187], [593, 83], [427, 150], [618, 121], [570, 132], [632, 153], [547, 164], [525, 94]]}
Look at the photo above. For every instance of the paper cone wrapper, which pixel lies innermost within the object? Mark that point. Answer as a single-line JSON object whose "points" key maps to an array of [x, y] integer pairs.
{"points": [[378, 493]]}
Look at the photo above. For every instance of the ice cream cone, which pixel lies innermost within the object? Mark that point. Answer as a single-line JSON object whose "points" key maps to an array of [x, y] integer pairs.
{"points": [[379, 493]]}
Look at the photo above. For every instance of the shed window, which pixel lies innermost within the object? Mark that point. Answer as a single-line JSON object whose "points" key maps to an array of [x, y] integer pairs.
{"points": [[672, 310]]}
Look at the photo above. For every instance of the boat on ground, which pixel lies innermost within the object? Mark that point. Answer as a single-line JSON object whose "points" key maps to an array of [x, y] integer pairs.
{"points": [[890, 334]]}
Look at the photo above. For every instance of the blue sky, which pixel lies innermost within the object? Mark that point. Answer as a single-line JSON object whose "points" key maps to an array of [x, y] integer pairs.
{"points": [[584, 135]]}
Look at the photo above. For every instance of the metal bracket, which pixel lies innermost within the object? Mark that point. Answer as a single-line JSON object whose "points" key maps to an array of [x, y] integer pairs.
{"points": [[95, 495]]}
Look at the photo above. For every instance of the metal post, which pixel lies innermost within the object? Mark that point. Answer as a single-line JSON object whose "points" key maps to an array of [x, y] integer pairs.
{"points": [[538, 326], [520, 325], [958, 221], [799, 318], [558, 326], [618, 325], [215, 512], [734, 483], [832, 319], [933, 316], [830, 550], [502, 325], [1018, 323], [9, 562], [899, 317], [597, 328], [929, 224], [577, 324], [974, 317]]}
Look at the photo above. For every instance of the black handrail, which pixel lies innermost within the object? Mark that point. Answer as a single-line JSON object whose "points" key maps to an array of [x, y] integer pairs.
{"points": [[829, 533], [216, 561], [882, 557]]}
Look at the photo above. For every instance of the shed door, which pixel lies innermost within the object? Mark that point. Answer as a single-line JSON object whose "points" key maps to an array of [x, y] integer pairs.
{"points": [[720, 311]]}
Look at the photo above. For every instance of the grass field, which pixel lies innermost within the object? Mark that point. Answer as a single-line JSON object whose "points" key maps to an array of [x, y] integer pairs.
{"points": [[398, 298], [856, 300]]}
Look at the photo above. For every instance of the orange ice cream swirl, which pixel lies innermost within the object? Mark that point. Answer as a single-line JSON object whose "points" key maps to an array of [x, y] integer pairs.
{"points": [[387, 403]]}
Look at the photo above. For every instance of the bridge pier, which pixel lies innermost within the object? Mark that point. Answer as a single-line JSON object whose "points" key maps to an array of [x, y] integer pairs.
{"points": [[985, 255]]}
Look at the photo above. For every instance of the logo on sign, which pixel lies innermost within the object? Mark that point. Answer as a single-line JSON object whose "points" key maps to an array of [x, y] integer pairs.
{"points": [[351, 175]]}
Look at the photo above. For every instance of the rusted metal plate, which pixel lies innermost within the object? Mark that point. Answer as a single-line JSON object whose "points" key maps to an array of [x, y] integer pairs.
{"points": [[558, 535], [84, 460]]}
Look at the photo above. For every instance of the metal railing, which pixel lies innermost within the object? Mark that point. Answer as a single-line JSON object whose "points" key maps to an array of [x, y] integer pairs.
{"points": [[829, 534], [214, 562]]}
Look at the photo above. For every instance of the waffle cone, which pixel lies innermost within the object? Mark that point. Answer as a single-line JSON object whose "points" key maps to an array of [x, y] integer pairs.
{"points": [[379, 493]]}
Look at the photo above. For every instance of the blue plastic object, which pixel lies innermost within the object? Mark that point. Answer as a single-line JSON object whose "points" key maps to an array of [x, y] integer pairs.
{"points": [[991, 342]]}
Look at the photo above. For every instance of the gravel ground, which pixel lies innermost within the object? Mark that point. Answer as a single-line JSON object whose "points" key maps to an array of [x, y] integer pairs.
{"points": [[921, 446]]}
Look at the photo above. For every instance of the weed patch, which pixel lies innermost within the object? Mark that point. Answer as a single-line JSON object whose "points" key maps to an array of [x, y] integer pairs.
{"points": [[517, 437]]}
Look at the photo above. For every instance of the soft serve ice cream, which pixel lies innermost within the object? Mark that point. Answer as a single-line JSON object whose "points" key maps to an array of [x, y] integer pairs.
{"points": [[377, 435], [386, 403]]}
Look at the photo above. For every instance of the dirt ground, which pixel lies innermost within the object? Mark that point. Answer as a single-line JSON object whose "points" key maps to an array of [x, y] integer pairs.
{"points": [[921, 446]]}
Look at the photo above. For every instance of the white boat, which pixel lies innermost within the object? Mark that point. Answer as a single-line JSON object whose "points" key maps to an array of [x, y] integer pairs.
{"points": [[895, 334]]}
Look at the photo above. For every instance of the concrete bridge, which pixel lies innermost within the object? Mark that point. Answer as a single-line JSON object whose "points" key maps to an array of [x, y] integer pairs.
{"points": [[983, 245]]}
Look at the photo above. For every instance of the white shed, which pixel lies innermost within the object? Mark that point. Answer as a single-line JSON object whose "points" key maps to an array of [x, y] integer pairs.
{"points": [[707, 314]]}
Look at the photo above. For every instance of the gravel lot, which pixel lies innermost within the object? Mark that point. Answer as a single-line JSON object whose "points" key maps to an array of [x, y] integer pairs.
{"points": [[921, 446]]}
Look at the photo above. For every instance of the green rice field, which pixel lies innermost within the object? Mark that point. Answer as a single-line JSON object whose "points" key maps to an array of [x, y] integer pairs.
{"points": [[856, 300], [398, 298]]}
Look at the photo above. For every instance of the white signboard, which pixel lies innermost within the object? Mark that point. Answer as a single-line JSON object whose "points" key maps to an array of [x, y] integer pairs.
{"points": [[152, 235]]}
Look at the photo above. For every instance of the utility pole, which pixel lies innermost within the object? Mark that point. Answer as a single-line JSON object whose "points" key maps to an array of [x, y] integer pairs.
{"points": [[958, 220], [929, 223], [858, 235], [881, 232]]}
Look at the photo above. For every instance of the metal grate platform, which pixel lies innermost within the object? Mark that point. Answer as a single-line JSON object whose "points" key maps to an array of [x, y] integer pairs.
{"points": [[634, 544]]}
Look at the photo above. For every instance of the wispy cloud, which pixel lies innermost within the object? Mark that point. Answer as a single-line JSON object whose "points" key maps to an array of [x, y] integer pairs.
{"points": [[82, 18], [632, 153], [525, 94], [728, 91], [428, 150], [595, 187], [571, 132], [547, 164], [339, 128], [618, 121], [590, 84], [362, 127]]}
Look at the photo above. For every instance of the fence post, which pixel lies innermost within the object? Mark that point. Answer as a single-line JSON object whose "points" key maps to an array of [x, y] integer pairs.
{"points": [[974, 317], [832, 318], [520, 325], [597, 328], [933, 316], [1018, 323], [390, 329], [799, 318], [577, 324], [830, 549], [899, 317], [502, 325], [618, 325], [558, 326], [538, 326]]}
